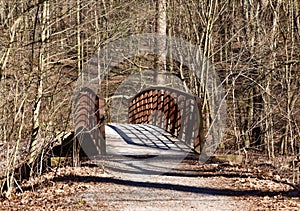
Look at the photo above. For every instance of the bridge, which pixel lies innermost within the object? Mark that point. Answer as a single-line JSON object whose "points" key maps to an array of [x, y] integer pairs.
{"points": [[161, 121]]}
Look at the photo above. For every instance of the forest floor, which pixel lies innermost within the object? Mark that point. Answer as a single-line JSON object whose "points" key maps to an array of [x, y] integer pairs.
{"points": [[214, 186]]}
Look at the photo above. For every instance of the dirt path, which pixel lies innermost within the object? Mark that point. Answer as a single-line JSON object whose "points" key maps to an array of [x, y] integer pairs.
{"points": [[131, 177], [190, 187], [160, 192], [124, 182]]}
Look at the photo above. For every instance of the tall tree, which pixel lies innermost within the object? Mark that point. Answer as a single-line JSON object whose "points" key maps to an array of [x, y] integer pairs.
{"points": [[161, 30]]}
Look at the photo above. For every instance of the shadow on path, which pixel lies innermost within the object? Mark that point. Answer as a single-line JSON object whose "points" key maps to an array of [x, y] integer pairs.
{"points": [[174, 187]]}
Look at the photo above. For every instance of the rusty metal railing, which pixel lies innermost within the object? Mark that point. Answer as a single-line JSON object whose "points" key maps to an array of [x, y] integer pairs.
{"points": [[173, 110], [89, 122]]}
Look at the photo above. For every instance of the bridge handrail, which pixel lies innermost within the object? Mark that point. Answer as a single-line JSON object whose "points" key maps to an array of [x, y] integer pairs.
{"points": [[89, 120], [173, 110]]}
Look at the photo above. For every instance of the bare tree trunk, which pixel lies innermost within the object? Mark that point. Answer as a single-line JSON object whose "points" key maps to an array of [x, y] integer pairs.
{"points": [[36, 140], [76, 144], [161, 29]]}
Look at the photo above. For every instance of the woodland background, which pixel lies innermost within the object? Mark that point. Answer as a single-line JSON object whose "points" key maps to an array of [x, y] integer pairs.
{"points": [[253, 45]]}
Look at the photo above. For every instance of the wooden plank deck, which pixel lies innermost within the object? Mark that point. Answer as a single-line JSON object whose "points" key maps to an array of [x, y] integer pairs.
{"points": [[142, 140], [142, 149]]}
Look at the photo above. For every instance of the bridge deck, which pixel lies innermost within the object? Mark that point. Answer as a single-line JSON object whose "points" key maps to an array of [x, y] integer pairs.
{"points": [[138, 149], [142, 140]]}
